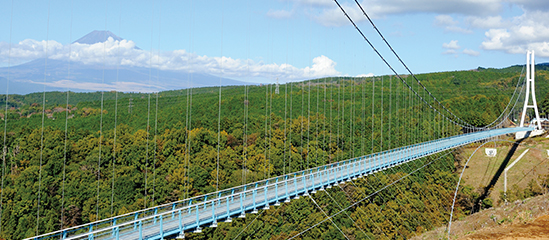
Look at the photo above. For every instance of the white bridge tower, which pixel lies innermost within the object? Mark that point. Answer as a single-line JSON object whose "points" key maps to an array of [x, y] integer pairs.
{"points": [[530, 89]]}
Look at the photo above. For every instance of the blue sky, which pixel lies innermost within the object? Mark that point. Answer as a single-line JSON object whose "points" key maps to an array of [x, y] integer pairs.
{"points": [[260, 41]]}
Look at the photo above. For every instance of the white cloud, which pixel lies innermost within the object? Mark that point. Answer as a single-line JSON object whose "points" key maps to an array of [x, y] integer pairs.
{"points": [[445, 20], [365, 75], [335, 17], [470, 52], [314, 3], [507, 34], [124, 53], [449, 24], [486, 22], [458, 29], [91, 86], [279, 14], [449, 52], [331, 15], [451, 45], [531, 5], [529, 31]]}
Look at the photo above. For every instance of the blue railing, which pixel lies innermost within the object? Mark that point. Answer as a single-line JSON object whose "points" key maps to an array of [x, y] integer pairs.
{"points": [[194, 213]]}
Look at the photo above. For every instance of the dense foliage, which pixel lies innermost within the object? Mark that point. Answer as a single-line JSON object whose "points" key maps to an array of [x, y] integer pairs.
{"points": [[135, 150]]}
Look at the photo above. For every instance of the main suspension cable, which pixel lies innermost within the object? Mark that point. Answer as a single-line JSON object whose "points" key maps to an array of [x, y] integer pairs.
{"points": [[392, 69], [398, 57]]}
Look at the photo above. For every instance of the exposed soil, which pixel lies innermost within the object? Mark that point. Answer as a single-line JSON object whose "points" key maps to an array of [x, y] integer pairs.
{"points": [[537, 229], [527, 219]]}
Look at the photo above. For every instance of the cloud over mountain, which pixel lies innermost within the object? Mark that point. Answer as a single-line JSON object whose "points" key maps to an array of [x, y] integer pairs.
{"points": [[112, 53]]}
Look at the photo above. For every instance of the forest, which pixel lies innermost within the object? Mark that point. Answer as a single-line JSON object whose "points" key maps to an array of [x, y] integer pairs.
{"points": [[72, 158]]}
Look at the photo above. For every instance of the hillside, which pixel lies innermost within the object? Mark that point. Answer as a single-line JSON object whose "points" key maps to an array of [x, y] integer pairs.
{"points": [[165, 148]]}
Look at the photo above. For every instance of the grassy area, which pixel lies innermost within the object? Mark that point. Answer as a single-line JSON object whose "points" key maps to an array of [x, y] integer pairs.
{"points": [[484, 172]]}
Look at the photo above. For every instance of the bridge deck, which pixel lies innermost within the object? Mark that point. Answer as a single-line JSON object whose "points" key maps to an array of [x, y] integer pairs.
{"points": [[189, 214]]}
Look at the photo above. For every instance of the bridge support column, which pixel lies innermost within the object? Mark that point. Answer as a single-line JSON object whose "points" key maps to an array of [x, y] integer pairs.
{"points": [[530, 89]]}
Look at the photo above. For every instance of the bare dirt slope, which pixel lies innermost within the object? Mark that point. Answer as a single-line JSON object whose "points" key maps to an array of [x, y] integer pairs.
{"points": [[537, 229], [527, 219]]}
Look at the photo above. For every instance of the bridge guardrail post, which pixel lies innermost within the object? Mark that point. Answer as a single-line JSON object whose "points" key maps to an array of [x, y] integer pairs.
{"points": [[276, 189], [180, 222], [265, 193], [312, 174], [173, 211], [155, 213], [354, 166], [161, 227], [114, 224], [328, 180], [254, 192], [295, 184], [197, 216], [304, 183], [376, 162], [286, 196], [241, 203], [140, 229], [135, 219], [322, 173], [90, 236], [339, 174], [213, 210], [347, 170], [190, 203], [359, 169], [228, 210]]}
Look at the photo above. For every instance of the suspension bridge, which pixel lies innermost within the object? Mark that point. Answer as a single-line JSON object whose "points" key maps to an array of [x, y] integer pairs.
{"points": [[192, 214]]}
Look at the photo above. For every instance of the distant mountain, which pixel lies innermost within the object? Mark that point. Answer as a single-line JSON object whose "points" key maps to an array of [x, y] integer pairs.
{"points": [[97, 37], [29, 77], [515, 68]]}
